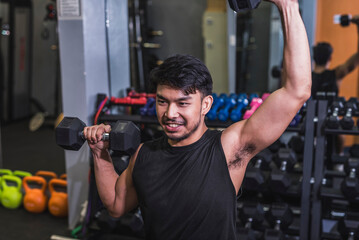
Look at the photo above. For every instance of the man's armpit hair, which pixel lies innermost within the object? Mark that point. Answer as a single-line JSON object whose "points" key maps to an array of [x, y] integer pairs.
{"points": [[248, 149]]}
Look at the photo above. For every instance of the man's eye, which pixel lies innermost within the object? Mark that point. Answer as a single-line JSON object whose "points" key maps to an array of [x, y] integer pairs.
{"points": [[183, 103], [160, 101]]}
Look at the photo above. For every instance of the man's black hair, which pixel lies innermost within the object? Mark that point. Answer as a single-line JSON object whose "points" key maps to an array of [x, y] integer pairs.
{"points": [[183, 72], [322, 53]]}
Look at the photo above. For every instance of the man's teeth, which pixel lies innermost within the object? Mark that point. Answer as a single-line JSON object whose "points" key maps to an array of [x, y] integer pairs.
{"points": [[173, 125]]}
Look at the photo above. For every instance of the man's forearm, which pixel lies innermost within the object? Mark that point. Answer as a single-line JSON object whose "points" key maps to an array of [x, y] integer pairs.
{"points": [[296, 65], [106, 178]]}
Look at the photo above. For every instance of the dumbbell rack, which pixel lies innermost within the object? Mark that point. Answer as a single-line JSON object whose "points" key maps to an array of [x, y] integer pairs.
{"points": [[321, 194], [306, 128]]}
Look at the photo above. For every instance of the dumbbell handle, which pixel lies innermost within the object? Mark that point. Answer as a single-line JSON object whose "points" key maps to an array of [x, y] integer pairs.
{"points": [[258, 163], [249, 223], [349, 112], [352, 173], [335, 112], [277, 224], [351, 236], [105, 136], [283, 166]]}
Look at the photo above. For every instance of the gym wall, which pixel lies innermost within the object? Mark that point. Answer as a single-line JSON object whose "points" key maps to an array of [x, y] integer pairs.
{"points": [[344, 41], [181, 23]]}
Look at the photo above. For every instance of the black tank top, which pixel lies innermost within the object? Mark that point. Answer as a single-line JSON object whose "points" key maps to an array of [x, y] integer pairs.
{"points": [[185, 192], [324, 82]]}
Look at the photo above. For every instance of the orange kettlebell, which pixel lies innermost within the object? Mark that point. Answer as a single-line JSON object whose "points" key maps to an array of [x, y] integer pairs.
{"points": [[63, 176], [58, 205], [35, 199], [48, 175]]}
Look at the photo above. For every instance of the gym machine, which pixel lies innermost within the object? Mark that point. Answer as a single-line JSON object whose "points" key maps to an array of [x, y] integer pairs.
{"points": [[16, 45]]}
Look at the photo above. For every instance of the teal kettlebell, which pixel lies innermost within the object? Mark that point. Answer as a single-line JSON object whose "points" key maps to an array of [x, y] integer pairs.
{"points": [[11, 196]]}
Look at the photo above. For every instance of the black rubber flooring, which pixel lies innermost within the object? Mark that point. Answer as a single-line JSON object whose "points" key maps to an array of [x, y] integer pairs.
{"points": [[30, 151]]}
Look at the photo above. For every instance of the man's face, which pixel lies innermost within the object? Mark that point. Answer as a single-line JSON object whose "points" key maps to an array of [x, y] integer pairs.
{"points": [[180, 115]]}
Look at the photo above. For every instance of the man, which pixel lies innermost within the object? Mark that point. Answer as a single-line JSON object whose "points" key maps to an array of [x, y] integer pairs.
{"points": [[186, 182], [329, 80]]}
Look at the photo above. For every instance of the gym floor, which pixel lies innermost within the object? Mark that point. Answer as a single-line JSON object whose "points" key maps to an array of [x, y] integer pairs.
{"points": [[30, 151]]}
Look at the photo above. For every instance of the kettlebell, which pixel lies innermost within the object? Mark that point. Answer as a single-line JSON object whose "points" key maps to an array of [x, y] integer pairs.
{"points": [[63, 176], [48, 175], [5, 172], [11, 195], [21, 174], [58, 205], [0, 189], [35, 199]]}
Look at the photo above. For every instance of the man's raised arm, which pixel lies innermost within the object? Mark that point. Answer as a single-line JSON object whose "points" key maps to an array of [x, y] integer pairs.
{"points": [[248, 137], [353, 61]]}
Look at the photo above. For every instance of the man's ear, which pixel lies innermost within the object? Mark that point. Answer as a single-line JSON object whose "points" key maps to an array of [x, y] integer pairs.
{"points": [[207, 104]]}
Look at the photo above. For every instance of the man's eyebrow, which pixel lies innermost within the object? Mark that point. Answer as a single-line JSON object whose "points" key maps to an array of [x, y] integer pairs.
{"points": [[183, 98], [177, 100], [160, 96]]}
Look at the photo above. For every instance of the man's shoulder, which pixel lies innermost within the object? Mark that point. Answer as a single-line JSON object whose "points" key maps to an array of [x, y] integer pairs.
{"points": [[154, 143]]}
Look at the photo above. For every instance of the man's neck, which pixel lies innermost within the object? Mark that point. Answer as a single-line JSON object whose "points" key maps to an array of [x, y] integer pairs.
{"points": [[319, 69]]}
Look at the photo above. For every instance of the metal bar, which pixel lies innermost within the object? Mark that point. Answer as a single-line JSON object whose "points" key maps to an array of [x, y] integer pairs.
{"points": [[318, 172], [307, 170]]}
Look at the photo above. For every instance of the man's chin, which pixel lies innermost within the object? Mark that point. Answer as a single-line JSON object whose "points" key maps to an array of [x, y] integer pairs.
{"points": [[175, 137]]}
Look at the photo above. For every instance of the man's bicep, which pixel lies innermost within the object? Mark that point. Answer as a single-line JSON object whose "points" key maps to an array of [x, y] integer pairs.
{"points": [[271, 119]]}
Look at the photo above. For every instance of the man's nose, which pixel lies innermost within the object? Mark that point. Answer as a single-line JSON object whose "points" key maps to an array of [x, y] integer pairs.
{"points": [[172, 111]]}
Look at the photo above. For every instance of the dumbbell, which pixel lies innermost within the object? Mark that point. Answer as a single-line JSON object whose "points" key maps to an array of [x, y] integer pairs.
{"points": [[152, 110], [129, 100], [218, 103], [347, 121], [354, 150], [280, 179], [255, 103], [332, 121], [251, 214], [240, 5], [265, 96], [242, 103], [252, 96], [297, 144], [124, 136], [356, 103], [145, 109], [350, 184], [348, 226], [280, 217], [223, 114], [255, 177], [274, 147], [344, 19], [296, 120]]}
